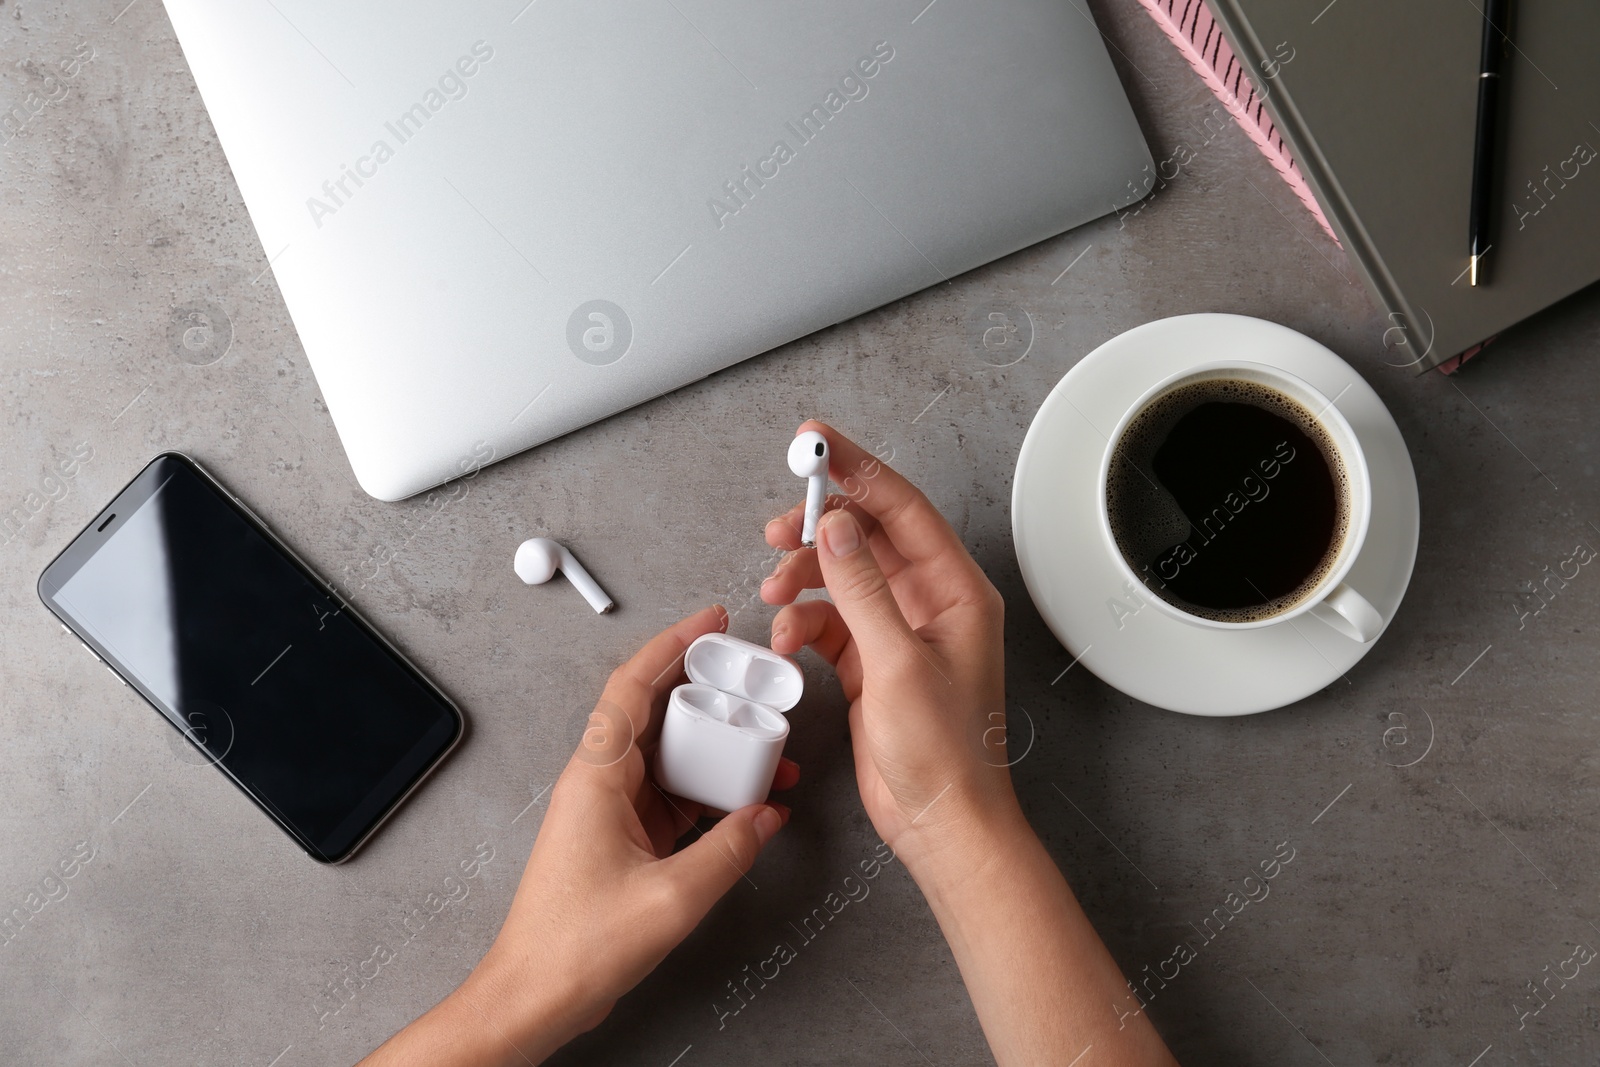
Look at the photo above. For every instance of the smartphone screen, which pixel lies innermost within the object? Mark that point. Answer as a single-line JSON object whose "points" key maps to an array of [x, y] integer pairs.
{"points": [[196, 605]]}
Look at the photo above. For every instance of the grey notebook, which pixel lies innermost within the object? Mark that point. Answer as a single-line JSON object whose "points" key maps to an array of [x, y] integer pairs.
{"points": [[1378, 102]]}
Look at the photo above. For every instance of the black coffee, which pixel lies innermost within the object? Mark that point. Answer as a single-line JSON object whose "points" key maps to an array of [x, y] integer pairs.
{"points": [[1228, 498]]}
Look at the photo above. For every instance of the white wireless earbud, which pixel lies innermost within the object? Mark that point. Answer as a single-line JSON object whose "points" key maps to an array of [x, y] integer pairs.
{"points": [[808, 458], [538, 559]]}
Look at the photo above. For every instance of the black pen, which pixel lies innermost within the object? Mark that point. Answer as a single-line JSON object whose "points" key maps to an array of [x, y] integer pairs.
{"points": [[1483, 151]]}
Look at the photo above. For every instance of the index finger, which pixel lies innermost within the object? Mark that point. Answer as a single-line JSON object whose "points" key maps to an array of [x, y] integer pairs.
{"points": [[913, 525]]}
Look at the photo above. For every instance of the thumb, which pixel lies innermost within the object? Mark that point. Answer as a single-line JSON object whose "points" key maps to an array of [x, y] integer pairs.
{"points": [[711, 866], [860, 591]]}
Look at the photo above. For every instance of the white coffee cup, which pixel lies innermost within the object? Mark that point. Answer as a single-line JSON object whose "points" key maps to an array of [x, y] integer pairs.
{"points": [[1331, 599]]}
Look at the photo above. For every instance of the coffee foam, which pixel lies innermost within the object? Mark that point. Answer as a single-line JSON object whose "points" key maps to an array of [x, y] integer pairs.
{"points": [[1146, 520]]}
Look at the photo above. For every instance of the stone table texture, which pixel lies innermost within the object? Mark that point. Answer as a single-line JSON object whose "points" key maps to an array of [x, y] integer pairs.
{"points": [[1440, 800]]}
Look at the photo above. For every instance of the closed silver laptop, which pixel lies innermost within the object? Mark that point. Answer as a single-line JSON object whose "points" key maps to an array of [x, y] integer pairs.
{"points": [[496, 222]]}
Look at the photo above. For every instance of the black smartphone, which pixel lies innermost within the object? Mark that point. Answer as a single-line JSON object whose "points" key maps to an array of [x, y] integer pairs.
{"points": [[196, 605]]}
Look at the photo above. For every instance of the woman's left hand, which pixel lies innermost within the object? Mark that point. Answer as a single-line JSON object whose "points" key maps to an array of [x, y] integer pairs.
{"points": [[604, 897]]}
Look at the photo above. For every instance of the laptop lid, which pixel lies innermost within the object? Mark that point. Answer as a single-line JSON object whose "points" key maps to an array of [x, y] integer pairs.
{"points": [[494, 223]]}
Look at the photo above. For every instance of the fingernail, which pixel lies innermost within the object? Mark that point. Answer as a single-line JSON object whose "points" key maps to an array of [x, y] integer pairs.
{"points": [[767, 823], [783, 812], [840, 534]]}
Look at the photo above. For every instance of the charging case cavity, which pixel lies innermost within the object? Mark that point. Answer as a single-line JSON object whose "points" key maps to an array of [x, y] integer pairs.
{"points": [[725, 729]]}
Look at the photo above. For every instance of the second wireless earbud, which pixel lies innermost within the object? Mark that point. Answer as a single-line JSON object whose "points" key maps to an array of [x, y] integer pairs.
{"points": [[808, 458], [538, 559]]}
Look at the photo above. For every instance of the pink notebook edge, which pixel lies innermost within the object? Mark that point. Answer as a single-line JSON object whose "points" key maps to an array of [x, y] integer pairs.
{"points": [[1213, 59]]}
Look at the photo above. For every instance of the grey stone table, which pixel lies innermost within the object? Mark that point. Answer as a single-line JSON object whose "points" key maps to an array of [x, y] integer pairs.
{"points": [[1440, 801]]}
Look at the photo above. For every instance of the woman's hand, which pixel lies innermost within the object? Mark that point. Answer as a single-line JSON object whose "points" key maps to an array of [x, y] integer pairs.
{"points": [[604, 898], [915, 632]]}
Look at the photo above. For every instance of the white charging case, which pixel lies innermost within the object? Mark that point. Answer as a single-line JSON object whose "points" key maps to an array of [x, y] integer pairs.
{"points": [[724, 731]]}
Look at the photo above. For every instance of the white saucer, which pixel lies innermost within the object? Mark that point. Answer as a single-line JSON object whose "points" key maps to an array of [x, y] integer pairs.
{"points": [[1073, 578]]}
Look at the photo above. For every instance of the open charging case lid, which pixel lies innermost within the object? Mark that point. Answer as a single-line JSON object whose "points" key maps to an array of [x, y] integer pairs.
{"points": [[744, 669]]}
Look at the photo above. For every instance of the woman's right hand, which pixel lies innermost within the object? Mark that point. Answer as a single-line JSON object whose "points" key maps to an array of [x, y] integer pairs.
{"points": [[915, 632]]}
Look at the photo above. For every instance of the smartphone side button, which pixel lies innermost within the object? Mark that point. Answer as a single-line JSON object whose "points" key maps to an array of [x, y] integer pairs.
{"points": [[91, 652], [117, 676]]}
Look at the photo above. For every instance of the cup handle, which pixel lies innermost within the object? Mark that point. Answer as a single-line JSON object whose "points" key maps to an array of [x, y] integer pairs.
{"points": [[1350, 613]]}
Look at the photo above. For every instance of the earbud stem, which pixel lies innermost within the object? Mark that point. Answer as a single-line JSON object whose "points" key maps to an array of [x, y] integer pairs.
{"points": [[816, 496], [584, 584]]}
